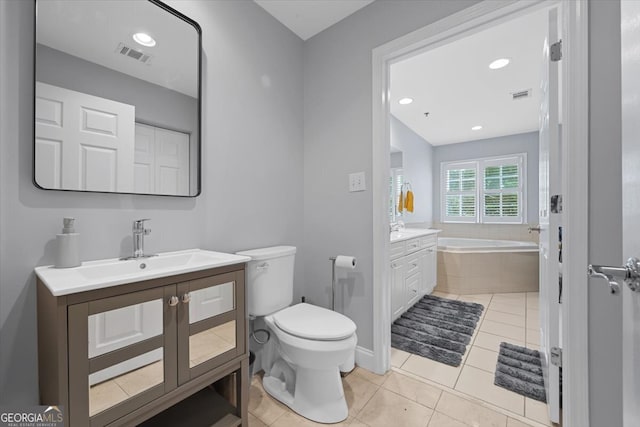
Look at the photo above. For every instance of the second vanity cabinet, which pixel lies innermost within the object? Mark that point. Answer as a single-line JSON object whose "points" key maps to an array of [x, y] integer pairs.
{"points": [[137, 349], [413, 271]]}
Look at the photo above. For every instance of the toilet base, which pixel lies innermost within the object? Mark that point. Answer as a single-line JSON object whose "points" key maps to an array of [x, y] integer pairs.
{"points": [[315, 394]]}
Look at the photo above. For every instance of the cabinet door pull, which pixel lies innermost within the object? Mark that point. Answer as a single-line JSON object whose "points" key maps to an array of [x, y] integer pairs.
{"points": [[186, 298], [173, 301]]}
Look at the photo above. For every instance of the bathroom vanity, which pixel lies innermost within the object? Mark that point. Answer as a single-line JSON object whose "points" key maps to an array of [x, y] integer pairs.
{"points": [[413, 267], [120, 342]]}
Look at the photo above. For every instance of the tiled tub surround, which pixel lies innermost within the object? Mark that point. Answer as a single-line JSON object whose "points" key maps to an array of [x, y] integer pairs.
{"points": [[482, 272], [485, 272]]}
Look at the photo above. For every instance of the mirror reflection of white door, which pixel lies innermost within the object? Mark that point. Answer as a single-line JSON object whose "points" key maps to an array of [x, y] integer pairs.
{"points": [[116, 329], [209, 302], [630, 14], [83, 142], [549, 184], [161, 161]]}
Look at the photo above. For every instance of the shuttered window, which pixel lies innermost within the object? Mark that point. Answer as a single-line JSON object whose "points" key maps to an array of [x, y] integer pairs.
{"points": [[489, 190], [460, 191]]}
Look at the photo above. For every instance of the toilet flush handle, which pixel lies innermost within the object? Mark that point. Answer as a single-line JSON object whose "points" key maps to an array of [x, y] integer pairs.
{"points": [[263, 266]]}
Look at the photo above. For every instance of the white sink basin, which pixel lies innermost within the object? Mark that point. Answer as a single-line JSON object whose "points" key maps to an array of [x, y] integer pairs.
{"points": [[110, 272]]}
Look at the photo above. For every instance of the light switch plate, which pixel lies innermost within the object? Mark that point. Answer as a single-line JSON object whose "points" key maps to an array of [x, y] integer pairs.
{"points": [[357, 182]]}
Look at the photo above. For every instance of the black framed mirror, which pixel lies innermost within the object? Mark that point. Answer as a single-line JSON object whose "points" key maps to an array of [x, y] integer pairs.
{"points": [[117, 105]]}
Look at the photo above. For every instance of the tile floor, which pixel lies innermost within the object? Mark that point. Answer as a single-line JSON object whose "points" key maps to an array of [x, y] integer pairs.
{"points": [[424, 393]]}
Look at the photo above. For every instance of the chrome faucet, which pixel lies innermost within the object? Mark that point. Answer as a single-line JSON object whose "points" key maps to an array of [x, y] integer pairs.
{"points": [[138, 238]]}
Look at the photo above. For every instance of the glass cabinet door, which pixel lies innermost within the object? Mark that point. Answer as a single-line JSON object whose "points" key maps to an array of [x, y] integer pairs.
{"points": [[122, 353], [210, 323]]}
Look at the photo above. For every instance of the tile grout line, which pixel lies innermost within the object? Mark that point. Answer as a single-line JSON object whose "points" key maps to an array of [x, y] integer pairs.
{"points": [[471, 398]]}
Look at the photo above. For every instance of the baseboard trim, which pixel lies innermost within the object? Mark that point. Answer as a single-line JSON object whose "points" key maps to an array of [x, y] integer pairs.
{"points": [[365, 359]]}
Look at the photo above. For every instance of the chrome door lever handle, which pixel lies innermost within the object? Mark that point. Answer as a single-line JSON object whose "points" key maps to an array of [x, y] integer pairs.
{"points": [[629, 273], [594, 271]]}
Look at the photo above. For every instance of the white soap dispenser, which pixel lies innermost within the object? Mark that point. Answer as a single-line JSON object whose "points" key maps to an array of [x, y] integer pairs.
{"points": [[67, 246]]}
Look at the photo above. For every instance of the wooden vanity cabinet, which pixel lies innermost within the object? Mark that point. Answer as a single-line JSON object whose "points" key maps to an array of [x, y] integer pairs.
{"points": [[117, 356]]}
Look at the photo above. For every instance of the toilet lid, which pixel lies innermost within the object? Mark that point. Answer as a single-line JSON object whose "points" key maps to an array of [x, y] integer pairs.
{"points": [[314, 323]]}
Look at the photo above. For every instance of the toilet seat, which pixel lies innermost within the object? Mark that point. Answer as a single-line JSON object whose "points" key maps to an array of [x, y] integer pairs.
{"points": [[314, 323]]}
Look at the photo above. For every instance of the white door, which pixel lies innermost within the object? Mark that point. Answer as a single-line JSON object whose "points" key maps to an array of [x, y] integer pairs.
{"points": [[83, 142], [115, 329], [144, 160], [209, 302], [161, 161], [172, 162], [549, 183], [630, 13]]}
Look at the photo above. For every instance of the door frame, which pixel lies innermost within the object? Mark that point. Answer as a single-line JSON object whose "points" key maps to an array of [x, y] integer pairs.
{"points": [[574, 112]]}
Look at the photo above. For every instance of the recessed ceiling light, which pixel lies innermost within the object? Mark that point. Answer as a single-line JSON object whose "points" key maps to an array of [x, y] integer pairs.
{"points": [[144, 39], [476, 127], [499, 63], [405, 101]]}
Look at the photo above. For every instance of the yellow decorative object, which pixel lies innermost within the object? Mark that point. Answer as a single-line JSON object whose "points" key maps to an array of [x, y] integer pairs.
{"points": [[408, 202]]}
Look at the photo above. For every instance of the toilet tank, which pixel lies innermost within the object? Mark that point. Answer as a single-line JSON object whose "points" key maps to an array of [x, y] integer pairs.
{"points": [[269, 278]]}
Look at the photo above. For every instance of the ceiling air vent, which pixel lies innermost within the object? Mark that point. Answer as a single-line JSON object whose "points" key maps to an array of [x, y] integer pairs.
{"points": [[521, 94], [132, 53]]}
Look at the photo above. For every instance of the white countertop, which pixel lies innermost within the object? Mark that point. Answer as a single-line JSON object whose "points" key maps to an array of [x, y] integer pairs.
{"points": [[101, 274], [410, 233]]}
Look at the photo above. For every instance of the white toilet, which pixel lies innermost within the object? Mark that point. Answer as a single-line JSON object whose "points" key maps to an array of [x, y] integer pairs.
{"points": [[309, 345]]}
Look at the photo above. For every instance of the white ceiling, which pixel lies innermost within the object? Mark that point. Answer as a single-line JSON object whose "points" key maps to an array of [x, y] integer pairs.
{"points": [[307, 18], [455, 85], [93, 30]]}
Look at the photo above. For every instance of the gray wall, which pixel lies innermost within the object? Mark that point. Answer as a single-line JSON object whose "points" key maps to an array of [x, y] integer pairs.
{"points": [[605, 212], [417, 168], [252, 168], [337, 141], [512, 144]]}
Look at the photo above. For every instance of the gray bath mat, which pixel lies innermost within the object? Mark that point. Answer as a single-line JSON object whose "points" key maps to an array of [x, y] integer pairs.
{"points": [[519, 369], [437, 328]]}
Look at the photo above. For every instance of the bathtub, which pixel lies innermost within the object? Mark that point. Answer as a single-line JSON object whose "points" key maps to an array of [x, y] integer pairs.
{"points": [[464, 245], [481, 266]]}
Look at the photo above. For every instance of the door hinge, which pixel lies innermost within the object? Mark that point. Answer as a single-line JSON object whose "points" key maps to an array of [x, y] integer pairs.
{"points": [[556, 51], [556, 356], [556, 203]]}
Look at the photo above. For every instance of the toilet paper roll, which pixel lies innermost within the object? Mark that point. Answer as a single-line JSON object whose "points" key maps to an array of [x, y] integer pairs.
{"points": [[344, 261]]}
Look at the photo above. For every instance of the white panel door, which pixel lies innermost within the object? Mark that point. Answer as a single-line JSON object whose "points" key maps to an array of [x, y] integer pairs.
{"points": [[549, 184], [172, 162], [161, 161], [630, 13], [209, 302], [144, 159], [84, 142], [111, 330]]}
